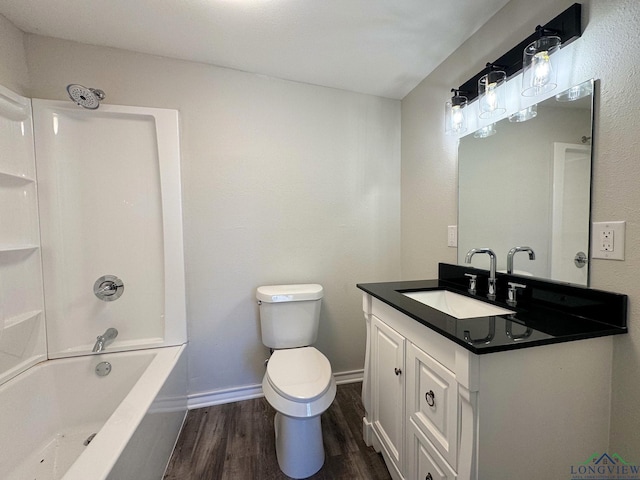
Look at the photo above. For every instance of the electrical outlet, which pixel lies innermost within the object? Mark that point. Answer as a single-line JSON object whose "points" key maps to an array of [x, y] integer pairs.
{"points": [[607, 240], [452, 236]]}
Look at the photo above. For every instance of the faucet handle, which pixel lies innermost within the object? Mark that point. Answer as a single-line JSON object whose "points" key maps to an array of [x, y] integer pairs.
{"points": [[472, 282], [511, 293]]}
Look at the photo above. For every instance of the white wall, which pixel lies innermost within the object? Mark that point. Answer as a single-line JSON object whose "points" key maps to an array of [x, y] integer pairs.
{"points": [[608, 50], [282, 183]]}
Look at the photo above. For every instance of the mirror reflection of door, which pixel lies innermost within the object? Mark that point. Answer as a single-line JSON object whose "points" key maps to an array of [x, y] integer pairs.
{"points": [[570, 211]]}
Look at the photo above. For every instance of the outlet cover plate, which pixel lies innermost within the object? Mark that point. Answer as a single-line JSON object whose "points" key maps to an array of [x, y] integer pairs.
{"points": [[452, 236], [607, 240]]}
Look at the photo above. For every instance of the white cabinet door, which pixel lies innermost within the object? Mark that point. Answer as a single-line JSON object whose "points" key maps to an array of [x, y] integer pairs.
{"points": [[424, 461], [387, 368], [432, 401]]}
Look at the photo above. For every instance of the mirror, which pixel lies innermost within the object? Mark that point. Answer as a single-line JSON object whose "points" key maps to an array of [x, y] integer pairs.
{"points": [[529, 184]]}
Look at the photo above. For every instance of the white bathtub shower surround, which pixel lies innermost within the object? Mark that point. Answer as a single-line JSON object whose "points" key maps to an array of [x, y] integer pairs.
{"points": [[22, 328], [106, 201], [137, 411], [110, 204]]}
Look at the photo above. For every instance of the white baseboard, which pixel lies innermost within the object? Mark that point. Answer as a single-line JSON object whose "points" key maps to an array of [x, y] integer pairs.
{"points": [[367, 432], [247, 392], [351, 376], [227, 395]]}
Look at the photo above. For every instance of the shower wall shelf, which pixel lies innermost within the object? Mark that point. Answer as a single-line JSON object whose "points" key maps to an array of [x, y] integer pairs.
{"points": [[11, 179], [21, 334], [18, 248], [22, 328], [18, 214]]}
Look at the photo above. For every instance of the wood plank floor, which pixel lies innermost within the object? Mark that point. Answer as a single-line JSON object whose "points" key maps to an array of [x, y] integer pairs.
{"points": [[235, 441]]}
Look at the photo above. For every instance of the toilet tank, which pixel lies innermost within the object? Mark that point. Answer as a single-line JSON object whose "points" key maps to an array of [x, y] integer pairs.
{"points": [[289, 314]]}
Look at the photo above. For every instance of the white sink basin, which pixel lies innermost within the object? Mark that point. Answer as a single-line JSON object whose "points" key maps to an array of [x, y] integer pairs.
{"points": [[456, 305]]}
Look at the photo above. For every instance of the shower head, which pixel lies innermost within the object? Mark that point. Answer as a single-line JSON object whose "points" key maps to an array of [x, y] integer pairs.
{"points": [[85, 97]]}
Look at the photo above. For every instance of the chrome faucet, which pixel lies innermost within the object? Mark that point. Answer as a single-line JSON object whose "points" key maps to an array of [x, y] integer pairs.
{"points": [[513, 251], [104, 339], [492, 268]]}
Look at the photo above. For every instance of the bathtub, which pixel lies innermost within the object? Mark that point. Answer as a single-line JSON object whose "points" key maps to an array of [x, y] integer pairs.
{"points": [[136, 411]]}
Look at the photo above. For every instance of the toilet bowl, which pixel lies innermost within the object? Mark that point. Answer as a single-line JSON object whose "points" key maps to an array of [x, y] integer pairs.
{"points": [[298, 382], [300, 386]]}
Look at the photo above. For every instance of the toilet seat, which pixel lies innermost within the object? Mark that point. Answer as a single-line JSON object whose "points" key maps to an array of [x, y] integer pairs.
{"points": [[298, 382], [299, 374]]}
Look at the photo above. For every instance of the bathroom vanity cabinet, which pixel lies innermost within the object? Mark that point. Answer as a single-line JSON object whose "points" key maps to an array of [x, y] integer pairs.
{"points": [[438, 410]]}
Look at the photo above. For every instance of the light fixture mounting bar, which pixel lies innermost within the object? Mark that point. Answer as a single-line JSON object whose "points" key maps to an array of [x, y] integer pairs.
{"points": [[567, 26]]}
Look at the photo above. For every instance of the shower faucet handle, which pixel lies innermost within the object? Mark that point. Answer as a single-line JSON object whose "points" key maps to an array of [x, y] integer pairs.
{"points": [[108, 288]]}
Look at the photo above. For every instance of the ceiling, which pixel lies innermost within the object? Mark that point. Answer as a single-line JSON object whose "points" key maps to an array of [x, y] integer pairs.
{"points": [[378, 47]]}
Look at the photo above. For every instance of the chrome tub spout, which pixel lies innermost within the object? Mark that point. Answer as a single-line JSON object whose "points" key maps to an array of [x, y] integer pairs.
{"points": [[103, 340]]}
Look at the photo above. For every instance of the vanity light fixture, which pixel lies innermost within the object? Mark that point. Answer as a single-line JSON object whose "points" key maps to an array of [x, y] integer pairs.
{"points": [[576, 92], [485, 132], [538, 51], [539, 71], [524, 114], [454, 114], [491, 96]]}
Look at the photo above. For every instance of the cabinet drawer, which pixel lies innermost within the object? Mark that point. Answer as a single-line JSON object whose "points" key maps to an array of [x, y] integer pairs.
{"points": [[432, 401], [425, 463]]}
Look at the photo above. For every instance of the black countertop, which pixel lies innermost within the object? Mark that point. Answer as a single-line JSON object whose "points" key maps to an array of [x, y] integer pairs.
{"points": [[547, 312]]}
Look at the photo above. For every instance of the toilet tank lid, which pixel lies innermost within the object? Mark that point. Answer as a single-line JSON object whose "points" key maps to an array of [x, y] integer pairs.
{"points": [[289, 293]]}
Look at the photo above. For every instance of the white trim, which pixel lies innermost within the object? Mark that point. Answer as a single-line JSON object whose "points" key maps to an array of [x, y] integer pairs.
{"points": [[226, 395], [247, 392], [351, 376]]}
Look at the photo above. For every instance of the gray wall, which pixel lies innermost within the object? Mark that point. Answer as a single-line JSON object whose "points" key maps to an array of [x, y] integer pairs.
{"points": [[282, 183], [218, 107], [608, 50], [13, 63]]}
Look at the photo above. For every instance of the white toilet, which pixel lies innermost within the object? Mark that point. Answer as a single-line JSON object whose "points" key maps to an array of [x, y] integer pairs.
{"points": [[298, 382]]}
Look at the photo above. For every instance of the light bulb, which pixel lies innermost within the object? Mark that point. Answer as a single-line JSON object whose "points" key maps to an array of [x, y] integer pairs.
{"points": [[491, 94], [538, 66], [491, 99], [457, 119], [541, 66], [455, 116]]}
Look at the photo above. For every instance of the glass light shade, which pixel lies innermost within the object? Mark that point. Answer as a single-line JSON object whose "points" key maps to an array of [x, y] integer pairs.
{"points": [[491, 96], [524, 114], [455, 115], [485, 132], [539, 71], [576, 92]]}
